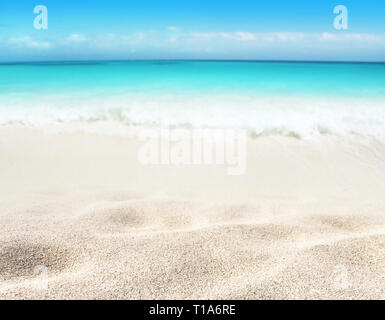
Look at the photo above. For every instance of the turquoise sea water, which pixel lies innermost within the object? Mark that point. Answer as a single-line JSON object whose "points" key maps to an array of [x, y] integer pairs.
{"points": [[299, 97]]}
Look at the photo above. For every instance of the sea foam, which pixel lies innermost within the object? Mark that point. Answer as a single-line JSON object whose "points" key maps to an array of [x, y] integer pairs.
{"points": [[292, 115]]}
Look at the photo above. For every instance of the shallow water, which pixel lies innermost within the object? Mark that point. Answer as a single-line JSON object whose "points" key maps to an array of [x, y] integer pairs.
{"points": [[299, 98]]}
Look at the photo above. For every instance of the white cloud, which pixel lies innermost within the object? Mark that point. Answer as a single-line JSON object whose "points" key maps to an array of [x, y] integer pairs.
{"points": [[140, 35], [249, 36], [359, 37], [245, 36], [173, 28], [173, 39], [239, 42], [76, 38], [290, 36], [287, 36], [29, 42]]}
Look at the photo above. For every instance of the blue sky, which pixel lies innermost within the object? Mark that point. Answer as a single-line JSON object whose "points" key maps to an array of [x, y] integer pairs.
{"points": [[192, 29]]}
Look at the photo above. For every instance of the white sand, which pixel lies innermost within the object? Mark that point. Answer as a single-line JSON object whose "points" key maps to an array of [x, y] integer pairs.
{"points": [[306, 221]]}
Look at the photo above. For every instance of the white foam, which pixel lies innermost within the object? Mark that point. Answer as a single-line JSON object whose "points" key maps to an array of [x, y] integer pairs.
{"points": [[300, 116]]}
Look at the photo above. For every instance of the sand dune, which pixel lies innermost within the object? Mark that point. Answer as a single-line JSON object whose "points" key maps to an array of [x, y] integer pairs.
{"points": [[81, 219]]}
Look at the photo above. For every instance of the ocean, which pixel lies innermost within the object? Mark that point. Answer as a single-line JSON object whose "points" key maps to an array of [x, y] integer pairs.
{"points": [[287, 98]]}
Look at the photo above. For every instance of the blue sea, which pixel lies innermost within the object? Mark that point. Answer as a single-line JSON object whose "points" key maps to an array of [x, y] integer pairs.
{"points": [[301, 98]]}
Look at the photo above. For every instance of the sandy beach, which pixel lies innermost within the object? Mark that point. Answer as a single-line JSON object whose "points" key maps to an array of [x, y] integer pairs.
{"points": [[80, 218]]}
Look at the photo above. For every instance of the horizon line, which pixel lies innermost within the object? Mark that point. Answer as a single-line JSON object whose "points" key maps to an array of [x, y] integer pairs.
{"points": [[197, 60]]}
